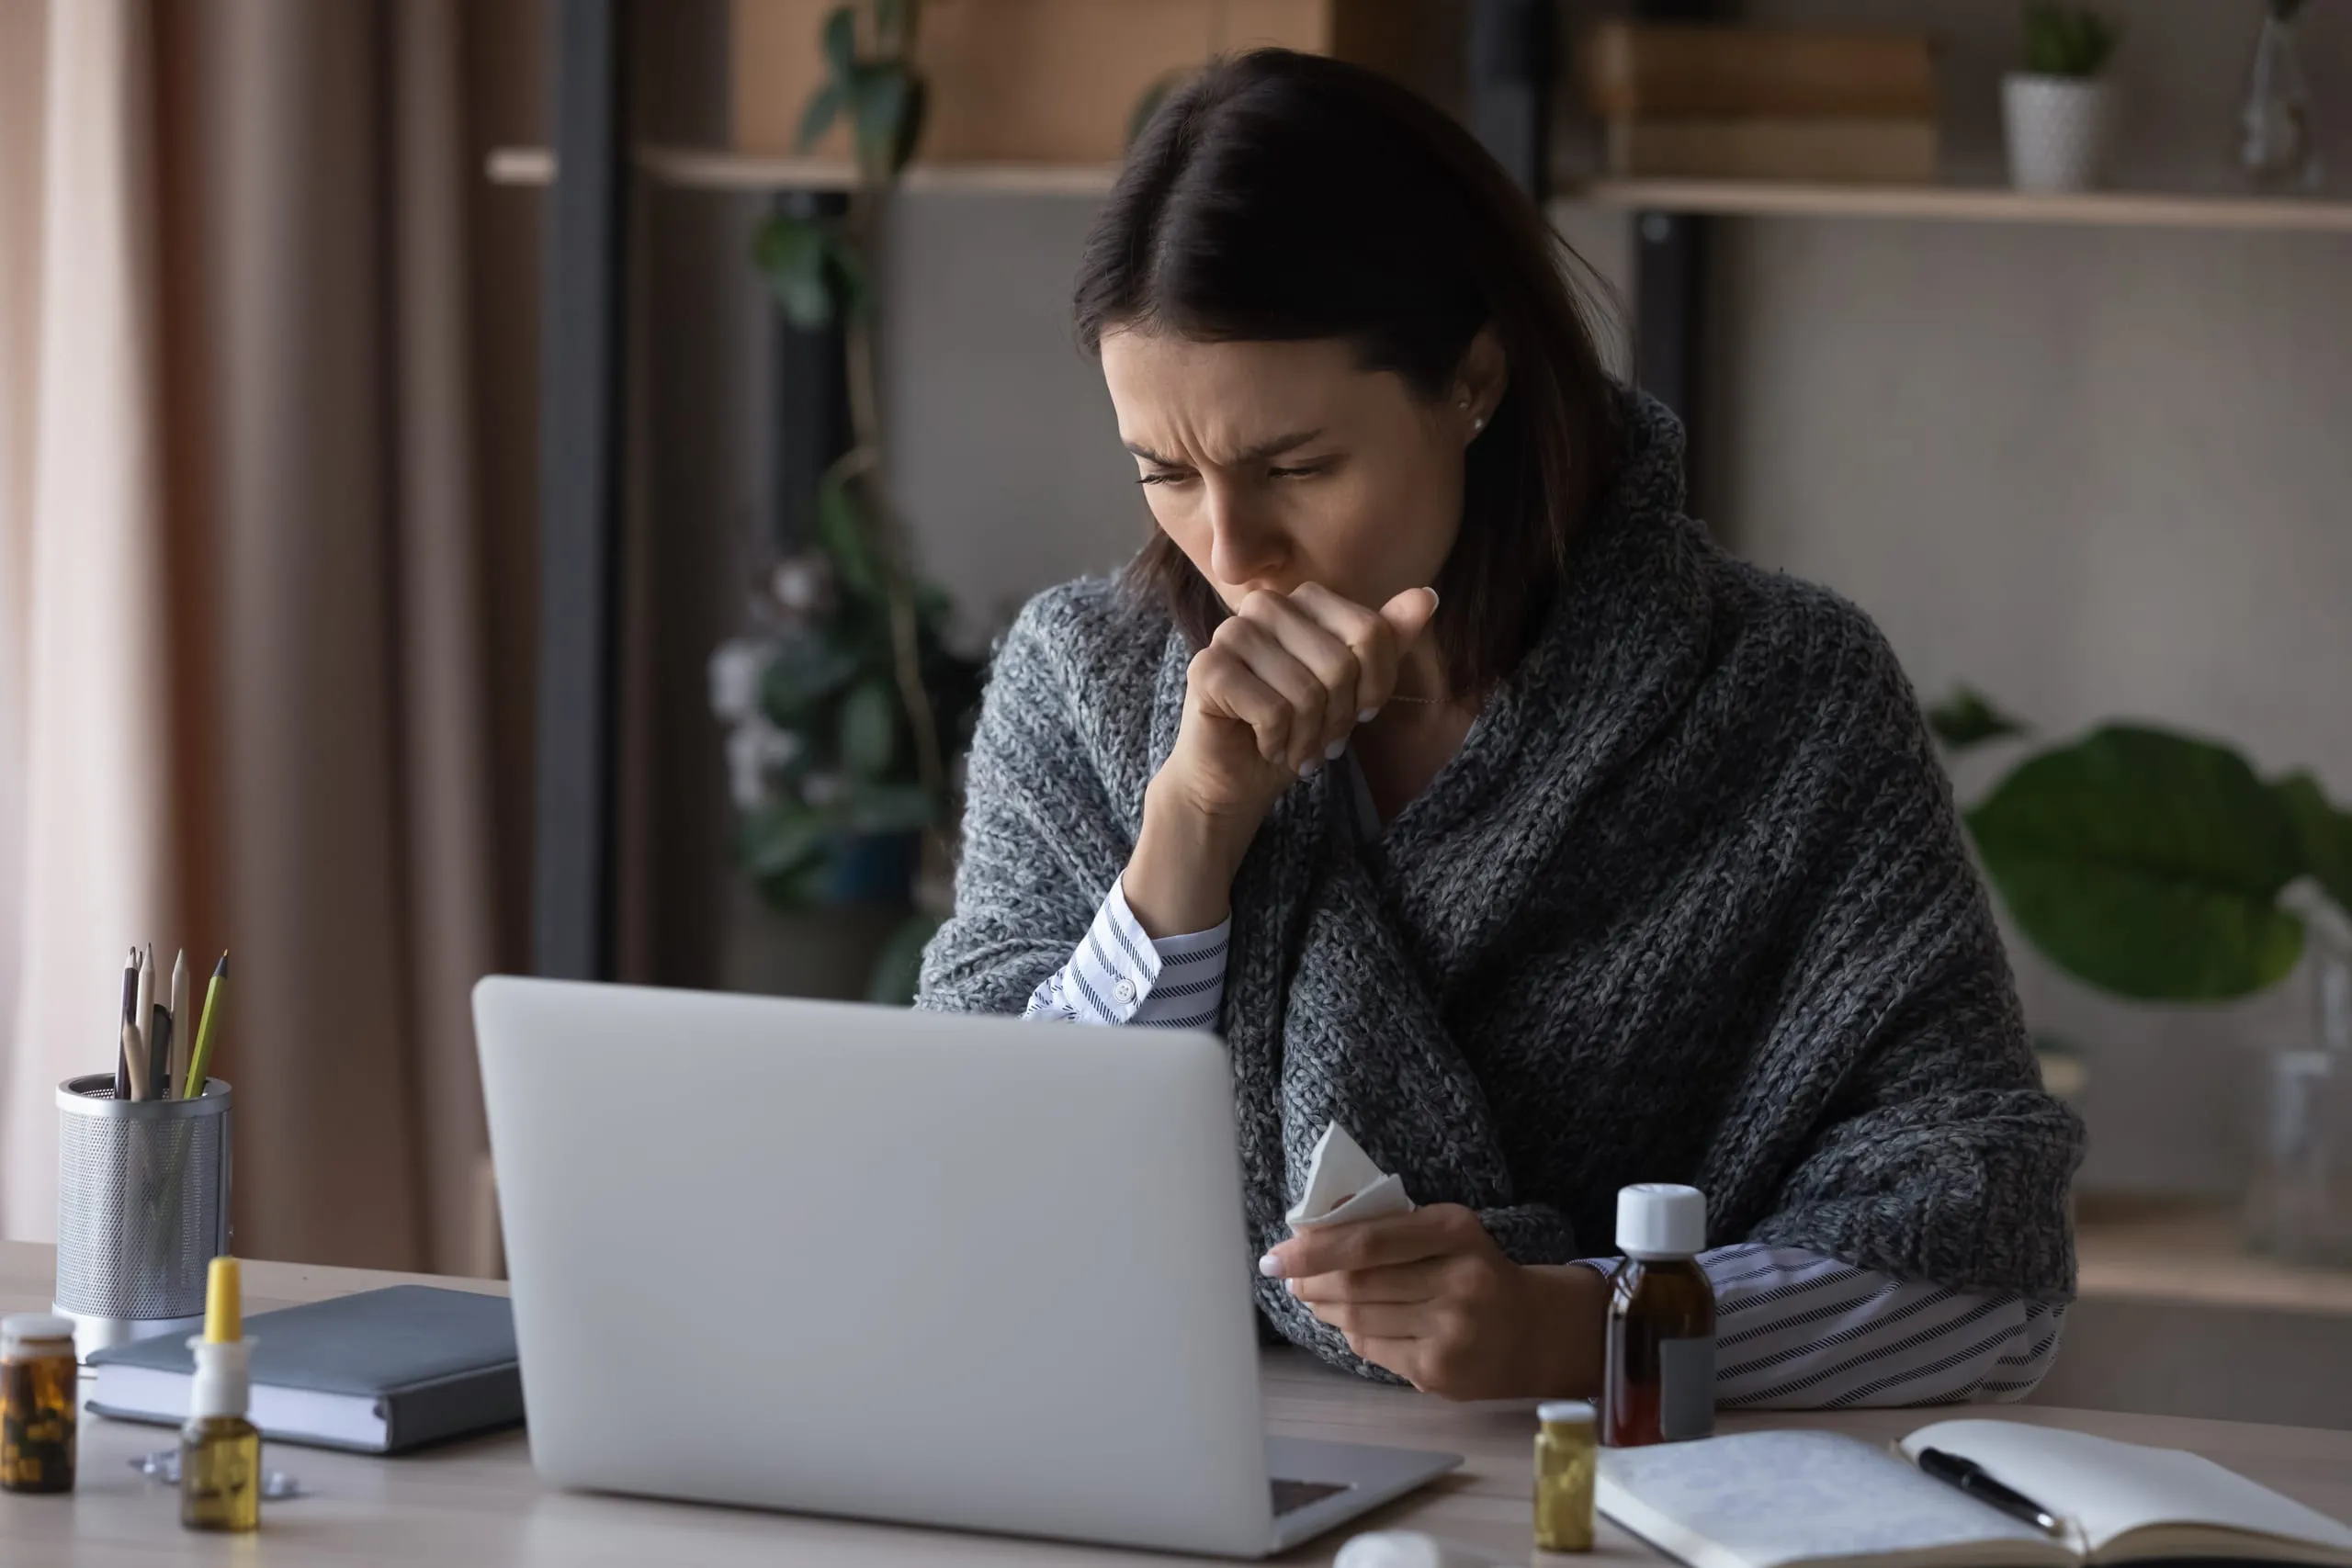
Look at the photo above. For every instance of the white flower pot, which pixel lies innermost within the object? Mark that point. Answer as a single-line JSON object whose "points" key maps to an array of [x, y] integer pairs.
{"points": [[2060, 129]]}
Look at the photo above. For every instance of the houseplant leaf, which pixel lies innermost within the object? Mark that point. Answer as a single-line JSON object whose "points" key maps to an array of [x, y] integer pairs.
{"points": [[824, 108], [808, 669], [840, 43], [1967, 718], [869, 728], [791, 253], [840, 529], [2147, 864], [781, 841], [2325, 832], [887, 808], [881, 103]]}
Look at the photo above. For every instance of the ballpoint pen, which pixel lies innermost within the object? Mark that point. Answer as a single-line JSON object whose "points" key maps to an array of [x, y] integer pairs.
{"points": [[1972, 1479]]}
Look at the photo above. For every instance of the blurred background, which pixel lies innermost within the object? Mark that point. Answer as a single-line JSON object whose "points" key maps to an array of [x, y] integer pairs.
{"points": [[529, 484]]}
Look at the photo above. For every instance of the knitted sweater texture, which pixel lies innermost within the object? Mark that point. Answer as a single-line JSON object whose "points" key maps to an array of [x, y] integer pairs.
{"points": [[1690, 904]]}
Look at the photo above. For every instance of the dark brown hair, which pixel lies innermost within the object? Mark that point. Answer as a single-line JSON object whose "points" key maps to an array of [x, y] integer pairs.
{"points": [[1281, 197]]}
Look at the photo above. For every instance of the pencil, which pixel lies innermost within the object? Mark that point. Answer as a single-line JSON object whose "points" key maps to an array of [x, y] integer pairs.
{"points": [[142, 1019], [202, 1059], [183, 1026], [134, 1053]]}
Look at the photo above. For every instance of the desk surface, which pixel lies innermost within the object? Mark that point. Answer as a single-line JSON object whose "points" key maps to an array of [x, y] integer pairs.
{"points": [[478, 1503]]}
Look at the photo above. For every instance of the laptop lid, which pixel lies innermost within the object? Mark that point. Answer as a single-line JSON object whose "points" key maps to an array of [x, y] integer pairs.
{"points": [[952, 1270]]}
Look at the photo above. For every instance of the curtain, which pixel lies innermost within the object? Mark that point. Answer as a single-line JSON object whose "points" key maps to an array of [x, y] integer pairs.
{"points": [[311, 710], [86, 763]]}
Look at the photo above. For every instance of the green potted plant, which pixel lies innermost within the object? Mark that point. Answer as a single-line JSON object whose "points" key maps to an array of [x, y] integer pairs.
{"points": [[2060, 111], [847, 704], [2161, 867]]}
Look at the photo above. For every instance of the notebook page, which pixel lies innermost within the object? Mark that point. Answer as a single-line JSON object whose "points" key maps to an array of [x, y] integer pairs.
{"points": [[1764, 1499], [2110, 1487]]}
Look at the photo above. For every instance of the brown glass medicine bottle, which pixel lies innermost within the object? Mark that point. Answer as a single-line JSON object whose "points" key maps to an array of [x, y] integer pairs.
{"points": [[1657, 1379], [38, 1379]]}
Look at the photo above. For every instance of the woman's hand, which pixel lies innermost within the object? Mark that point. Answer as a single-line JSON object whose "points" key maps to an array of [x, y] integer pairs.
{"points": [[1280, 686], [1430, 1297]]}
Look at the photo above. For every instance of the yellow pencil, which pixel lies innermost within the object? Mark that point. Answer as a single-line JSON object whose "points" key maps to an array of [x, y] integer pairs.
{"points": [[202, 1057]]}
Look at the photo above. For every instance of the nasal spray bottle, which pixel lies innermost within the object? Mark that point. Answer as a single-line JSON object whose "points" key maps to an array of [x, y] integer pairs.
{"points": [[220, 1450]]}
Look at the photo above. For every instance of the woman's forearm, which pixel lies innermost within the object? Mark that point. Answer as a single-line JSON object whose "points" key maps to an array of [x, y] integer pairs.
{"points": [[1179, 878]]}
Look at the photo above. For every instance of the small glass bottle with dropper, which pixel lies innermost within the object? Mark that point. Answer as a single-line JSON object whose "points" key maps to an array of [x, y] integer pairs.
{"points": [[220, 1450], [1658, 1377]]}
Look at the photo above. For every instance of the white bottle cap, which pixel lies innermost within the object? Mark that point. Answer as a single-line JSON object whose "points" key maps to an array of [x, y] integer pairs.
{"points": [[1655, 1221], [223, 1384], [1565, 1413], [18, 1328]]}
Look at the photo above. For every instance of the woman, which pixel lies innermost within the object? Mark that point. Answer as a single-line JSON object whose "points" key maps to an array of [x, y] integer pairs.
{"points": [[1491, 810]]}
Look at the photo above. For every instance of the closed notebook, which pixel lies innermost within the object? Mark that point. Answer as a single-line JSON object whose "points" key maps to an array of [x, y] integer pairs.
{"points": [[1782, 1499], [379, 1372]]}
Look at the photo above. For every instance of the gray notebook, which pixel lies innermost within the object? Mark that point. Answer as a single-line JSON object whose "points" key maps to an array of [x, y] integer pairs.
{"points": [[378, 1373]]}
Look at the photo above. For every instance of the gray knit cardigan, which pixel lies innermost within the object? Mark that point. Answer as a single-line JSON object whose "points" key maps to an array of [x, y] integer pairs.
{"points": [[1690, 905]]}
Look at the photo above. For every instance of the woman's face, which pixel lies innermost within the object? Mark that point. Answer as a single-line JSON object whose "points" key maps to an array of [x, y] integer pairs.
{"points": [[1274, 464]]}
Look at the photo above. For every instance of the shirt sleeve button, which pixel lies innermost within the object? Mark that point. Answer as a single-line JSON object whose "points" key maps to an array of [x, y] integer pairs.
{"points": [[1125, 990]]}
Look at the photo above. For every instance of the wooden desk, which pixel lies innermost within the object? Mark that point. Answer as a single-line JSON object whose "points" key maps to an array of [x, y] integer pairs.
{"points": [[477, 1503]]}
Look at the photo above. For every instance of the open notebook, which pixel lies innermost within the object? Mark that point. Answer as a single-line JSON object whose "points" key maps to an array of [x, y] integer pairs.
{"points": [[1779, 1499]]}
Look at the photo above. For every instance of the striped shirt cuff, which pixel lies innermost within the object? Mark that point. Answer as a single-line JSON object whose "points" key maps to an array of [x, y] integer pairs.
{"points": [[1119, 975], [1796, 1330]]}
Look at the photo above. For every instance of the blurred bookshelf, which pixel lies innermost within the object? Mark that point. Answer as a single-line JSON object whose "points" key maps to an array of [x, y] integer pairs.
{"points": [[701, 169]]}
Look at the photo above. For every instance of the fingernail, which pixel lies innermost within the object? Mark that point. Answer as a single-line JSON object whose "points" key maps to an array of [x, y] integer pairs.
{"points": [[1433, 599], [1270, 1267], [1331, 752], [1310, 768], [1365, 716], [1291, 1285]]}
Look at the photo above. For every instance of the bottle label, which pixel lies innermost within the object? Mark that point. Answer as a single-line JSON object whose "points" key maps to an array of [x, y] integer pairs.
{"points": [[1686, 1394]]}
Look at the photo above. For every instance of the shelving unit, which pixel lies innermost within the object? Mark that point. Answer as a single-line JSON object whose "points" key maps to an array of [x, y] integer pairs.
{"points": [[699, 169], [1970, 204]]}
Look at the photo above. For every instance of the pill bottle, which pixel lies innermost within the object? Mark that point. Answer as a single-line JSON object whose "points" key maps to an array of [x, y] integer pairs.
{"points": [[37, 1386], [1567, 1450], [1657, 1379]]}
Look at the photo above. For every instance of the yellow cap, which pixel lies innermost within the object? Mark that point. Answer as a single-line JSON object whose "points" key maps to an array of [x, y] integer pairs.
{"points": [[224, 1308]]}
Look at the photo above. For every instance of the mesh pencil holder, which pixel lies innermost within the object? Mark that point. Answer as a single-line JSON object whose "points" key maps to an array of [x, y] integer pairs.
{"points": [[143, 1209]]}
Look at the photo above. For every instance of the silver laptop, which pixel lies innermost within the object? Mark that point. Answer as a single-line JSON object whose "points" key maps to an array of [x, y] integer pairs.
{"points": [[960, 1271]]}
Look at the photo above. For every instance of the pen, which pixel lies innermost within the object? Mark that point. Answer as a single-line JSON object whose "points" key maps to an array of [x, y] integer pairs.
{"points": [[1972, 1478], [201, 1061]]}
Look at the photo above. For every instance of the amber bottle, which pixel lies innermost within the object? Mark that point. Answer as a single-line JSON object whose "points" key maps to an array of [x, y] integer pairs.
{"points": [[1658, 1377], [38, 1379]]}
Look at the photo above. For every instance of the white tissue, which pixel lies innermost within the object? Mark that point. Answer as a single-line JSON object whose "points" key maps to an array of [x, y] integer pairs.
{"points": [[1342, 1185]]}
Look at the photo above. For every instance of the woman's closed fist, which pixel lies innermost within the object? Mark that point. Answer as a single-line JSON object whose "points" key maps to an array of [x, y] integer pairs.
{"points": [[1277, 691]]}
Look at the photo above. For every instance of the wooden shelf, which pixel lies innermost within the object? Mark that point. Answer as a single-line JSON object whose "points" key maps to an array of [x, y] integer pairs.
{"points": [[702, 169], [699, 169], [2154, 1250], [1969, 204]]}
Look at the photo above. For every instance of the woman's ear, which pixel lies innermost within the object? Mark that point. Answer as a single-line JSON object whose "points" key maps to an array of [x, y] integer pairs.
{"points": [[1479, 389]]}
